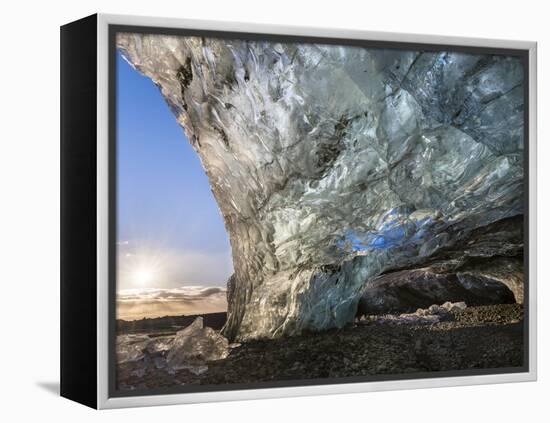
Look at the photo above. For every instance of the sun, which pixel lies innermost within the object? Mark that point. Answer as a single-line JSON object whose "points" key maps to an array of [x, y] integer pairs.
{"points": [[143, 276], [141, 268]]}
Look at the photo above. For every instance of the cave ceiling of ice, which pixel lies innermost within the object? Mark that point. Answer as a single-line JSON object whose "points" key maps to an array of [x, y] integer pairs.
{"points": [[333, 164]]}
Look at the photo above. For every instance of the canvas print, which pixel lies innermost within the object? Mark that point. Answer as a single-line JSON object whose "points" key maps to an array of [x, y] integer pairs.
{"points": [[311, 211]]}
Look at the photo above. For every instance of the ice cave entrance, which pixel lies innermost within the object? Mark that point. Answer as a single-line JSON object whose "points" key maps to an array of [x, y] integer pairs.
{"points": [[376, 177], [165, 208]]}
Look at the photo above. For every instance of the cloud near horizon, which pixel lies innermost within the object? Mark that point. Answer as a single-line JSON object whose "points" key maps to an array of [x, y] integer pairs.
{"points": [[134, 304]]}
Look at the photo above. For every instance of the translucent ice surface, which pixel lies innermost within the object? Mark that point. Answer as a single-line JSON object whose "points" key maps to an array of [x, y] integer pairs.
{"points": [[131, 347], [196, 345], [332, 165]]}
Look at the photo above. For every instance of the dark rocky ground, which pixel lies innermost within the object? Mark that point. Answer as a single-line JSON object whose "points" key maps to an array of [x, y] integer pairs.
{"points": [[168, 324], [479, 337]]}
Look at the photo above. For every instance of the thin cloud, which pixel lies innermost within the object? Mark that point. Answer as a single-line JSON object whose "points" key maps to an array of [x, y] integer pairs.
{"points": [[135, 304]]}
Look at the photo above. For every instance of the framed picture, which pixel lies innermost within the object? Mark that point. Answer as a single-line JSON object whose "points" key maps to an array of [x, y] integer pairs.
{"points": [[254, 211]]}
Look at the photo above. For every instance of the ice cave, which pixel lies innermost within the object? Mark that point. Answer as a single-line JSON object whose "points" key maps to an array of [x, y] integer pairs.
{"points": [[348, 175]]}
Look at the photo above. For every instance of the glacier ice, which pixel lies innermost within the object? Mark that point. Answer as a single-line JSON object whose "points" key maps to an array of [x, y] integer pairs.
{"points": [[196, 345], [160, 344], [334, 164], [191, 348], [483, 267], [131, 347]]}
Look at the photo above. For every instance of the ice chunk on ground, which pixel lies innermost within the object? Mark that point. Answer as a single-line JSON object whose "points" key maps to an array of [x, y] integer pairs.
{"points": [[131, 347], [431, 315], [459, 306], [408, 319], [160, 344], [198, 370], [195, 346]]}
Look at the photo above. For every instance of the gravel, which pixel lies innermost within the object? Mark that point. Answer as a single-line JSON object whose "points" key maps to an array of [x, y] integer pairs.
{"points": [[483, 337]]}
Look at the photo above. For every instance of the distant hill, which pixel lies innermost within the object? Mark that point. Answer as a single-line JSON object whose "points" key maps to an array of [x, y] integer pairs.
{"points": [[169, 323]]}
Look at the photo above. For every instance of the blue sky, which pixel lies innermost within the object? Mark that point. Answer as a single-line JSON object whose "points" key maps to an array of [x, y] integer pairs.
{"points": [[169, 225]]}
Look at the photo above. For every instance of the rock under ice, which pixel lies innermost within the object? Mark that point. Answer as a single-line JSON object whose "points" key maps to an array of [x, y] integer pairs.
{"points": [[332, 165]]}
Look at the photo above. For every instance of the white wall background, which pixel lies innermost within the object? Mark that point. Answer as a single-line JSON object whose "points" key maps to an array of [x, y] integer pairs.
{"points": [[29, 182]]}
